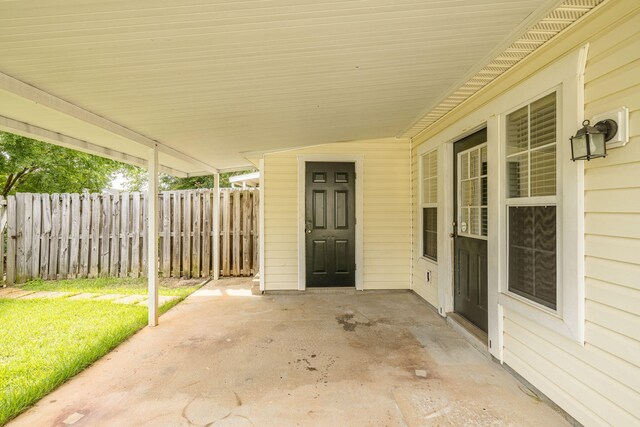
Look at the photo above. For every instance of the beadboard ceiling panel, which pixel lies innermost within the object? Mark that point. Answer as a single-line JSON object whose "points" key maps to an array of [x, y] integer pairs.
{"points": [[217, 79]]}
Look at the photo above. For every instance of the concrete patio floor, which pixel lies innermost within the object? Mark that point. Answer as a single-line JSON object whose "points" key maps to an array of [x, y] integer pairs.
{"points": [[225, 357]]}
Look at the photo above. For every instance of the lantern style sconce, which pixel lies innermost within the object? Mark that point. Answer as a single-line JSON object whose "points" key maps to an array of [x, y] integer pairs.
{"points": [[590, 141]]}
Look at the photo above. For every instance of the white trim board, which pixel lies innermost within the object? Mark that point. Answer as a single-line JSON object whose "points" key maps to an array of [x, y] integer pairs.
{"points": [[261, 207], [358, 160], [567, 73]]}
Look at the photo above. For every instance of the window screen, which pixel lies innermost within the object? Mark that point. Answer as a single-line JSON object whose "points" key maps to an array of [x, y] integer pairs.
{"points": [[532, 253]]}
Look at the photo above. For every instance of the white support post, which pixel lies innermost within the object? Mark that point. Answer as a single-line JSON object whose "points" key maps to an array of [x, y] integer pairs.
{"points": [[216, 227], [152, 200]]}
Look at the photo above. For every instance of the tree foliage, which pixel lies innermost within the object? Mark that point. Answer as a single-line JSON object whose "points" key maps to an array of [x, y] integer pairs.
{"points": [[137, 180], [27, 165]]}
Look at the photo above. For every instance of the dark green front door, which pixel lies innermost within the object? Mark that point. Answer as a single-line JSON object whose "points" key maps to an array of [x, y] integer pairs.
{"points": [[330, 224], [470, 228]]}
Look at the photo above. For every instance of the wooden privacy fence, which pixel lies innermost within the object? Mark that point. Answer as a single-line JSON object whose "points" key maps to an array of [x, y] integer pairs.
{"points": [[59, 236]]}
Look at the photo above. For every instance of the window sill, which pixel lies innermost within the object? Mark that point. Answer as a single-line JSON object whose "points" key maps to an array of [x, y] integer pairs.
{"points": [[427, 260], [537, 313]]}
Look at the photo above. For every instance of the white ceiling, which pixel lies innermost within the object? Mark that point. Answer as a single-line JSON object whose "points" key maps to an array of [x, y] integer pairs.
{"points": [[218, 79]]}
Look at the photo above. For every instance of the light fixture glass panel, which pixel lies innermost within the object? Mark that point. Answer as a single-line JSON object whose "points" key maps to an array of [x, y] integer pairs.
{"points": [[579, 145]]}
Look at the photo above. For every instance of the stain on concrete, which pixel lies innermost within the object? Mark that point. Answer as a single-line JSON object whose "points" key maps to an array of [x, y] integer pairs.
{"points": [[347, 325], [238, 400]]}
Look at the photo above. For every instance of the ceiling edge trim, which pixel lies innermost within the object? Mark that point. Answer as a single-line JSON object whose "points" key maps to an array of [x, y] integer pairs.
{"points": [[551, 25]]}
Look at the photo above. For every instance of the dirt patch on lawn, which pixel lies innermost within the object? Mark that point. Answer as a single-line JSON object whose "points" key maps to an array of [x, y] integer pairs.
{"points": [[173, 283]]}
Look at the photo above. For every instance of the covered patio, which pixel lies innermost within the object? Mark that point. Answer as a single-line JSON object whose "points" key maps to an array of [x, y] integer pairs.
{"points": [[419, 154], [228, 357]]}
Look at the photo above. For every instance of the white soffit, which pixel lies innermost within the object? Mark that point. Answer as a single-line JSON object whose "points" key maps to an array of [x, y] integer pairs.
{"points": [[216, 79], [547, 28]]}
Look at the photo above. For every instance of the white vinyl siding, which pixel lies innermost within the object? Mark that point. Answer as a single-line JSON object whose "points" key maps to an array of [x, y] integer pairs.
{"points": [[597, 383], [387, 213]]}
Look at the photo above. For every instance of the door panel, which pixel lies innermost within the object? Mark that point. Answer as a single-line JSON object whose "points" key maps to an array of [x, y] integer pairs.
{"points": [[330, 224], [319, 256], [470, 228]]}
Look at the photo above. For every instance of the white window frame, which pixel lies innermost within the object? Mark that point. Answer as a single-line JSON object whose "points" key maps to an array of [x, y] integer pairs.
{"points": [[422, 204], [555, 200], [566, 77], [459, 195]]}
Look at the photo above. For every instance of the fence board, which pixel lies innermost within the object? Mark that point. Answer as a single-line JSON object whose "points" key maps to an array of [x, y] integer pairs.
{"points": [[114, 257], [196, 231], [166, 234], [20, 246], [237, 227], [94, 257], [124, 235], [11, 240], [65, 221], [34, 268], [246, 234], [54, 243], [206, 233], [74, 247], [105, 233], [135, 233], [46, 236], [28, 235], [177, 228], [85, 232], [186, 236], [79, 235], [226, 232]]}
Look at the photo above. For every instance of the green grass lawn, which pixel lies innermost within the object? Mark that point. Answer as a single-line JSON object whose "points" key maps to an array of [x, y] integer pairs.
{"points": [[44, 342], [107, 285]]}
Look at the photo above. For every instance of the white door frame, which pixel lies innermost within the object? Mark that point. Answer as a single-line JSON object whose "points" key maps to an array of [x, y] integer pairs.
{"points": [[358, 160]]}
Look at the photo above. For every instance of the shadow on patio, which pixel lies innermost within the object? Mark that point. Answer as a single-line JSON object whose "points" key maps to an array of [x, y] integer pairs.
{"points": [[228, 357]]}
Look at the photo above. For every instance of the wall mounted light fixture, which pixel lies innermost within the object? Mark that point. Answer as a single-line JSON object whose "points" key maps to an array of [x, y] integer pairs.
{"points": [[590, 141]]}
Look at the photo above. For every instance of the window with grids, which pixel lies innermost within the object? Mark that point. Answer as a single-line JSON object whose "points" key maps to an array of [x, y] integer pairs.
{"points": [[531, 201], [429, 205], [472, 203]]}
